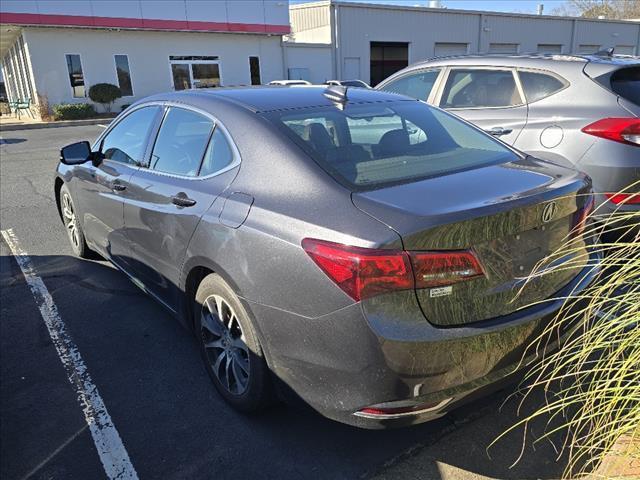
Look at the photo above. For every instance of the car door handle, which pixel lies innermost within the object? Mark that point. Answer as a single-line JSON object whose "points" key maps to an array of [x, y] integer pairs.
{"points": [[182, 200], [118, 187], [499, 131]]}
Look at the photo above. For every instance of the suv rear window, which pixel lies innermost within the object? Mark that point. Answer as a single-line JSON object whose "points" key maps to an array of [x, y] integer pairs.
{"points": [[626, 83], [371, 145]]}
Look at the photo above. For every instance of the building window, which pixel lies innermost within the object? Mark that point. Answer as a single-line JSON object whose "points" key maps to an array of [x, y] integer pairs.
{"points": [[503, 47], [550, 48], [195, 72], [387, 58], [254, 69], [124, 75], [76, 77]]}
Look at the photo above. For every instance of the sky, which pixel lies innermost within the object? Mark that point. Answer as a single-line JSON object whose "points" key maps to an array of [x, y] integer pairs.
{"points": [[519, 6]]}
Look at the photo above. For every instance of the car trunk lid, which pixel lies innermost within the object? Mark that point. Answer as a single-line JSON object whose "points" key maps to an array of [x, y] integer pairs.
{"points": [[511, 216]]}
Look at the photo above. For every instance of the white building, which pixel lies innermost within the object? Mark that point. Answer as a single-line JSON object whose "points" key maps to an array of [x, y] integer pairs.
{"points": [[58, 48], [371, 41]]}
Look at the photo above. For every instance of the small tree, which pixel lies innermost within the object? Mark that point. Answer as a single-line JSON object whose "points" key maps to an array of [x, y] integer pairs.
{"points": [[105, 93]]}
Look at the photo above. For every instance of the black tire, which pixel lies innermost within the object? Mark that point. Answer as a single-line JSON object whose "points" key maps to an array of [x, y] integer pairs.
{"points": [[244, 355], [72, 224]]}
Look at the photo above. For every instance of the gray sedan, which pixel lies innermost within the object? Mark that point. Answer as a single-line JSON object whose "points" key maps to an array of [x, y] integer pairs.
{"points": [[579, 111], [354, 248]]}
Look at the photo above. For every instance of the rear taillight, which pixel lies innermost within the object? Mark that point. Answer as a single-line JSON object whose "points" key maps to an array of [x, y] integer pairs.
{"points": [[582, 216], [623, 130], [437, 269], [623, 198], [366, 272]]}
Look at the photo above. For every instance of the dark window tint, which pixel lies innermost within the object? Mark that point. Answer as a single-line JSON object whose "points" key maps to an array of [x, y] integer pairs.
{"points": [[254, 70], [181, 142], [539, 85], [205, 75], [418, 85], [219, 154], [76, 76], [480, 88], [124, 75], [369, 145], [181, 77], [126, 142], [626, 83]]}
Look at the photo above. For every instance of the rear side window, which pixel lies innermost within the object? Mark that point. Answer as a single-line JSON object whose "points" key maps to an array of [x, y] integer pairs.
{"points": [[539, 85], [417, 85], [126, 142], [480, 88], [219, 154], [626, 83], [181, 142], [371, 145]]}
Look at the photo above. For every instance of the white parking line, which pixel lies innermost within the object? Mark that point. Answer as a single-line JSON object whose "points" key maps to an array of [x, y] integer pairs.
{"points": [[100, 125], [113, 455]]}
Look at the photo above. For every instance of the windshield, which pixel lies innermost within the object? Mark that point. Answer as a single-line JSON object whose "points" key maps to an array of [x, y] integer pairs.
{"points": [[371, 145], [626, 83]]}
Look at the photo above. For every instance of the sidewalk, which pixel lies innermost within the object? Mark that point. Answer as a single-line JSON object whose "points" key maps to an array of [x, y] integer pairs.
{"points": [[9, 123]]}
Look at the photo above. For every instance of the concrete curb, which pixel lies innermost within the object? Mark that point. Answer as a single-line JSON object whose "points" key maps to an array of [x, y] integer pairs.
{"points": [[63, 123]]}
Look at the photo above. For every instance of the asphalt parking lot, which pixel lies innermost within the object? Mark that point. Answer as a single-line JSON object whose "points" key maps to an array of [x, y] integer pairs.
{"points": [[149, 375]]}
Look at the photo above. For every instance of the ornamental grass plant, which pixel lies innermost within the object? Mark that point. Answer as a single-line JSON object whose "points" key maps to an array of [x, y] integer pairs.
{"points": [[588, 356]]}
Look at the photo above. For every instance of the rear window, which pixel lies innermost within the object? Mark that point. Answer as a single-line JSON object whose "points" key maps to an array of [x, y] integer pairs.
{"points": [[626, 83], [367, 146]]}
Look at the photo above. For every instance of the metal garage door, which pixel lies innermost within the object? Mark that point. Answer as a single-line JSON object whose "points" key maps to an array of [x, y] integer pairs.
{"points": [[446, 49]]}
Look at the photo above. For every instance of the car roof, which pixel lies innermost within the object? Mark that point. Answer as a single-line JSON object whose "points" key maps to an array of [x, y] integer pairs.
{"points": [[533, 60], [271, 98]]}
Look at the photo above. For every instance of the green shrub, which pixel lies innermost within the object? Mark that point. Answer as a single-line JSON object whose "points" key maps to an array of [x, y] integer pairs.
{"points": [[73, 111], [105, 93]]}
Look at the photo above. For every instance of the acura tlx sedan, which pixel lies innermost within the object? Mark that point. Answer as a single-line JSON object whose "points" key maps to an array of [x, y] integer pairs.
{"points": [[354, 248]]}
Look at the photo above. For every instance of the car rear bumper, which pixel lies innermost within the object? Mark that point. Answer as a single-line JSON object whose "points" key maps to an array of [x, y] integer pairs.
{"points": [[373, 353]]}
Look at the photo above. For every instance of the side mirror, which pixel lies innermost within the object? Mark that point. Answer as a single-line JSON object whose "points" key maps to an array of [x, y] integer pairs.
{"points": [[76, 153]]}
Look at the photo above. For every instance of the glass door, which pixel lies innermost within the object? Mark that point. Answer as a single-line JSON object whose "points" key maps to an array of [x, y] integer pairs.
{"points": [[181, 76]]}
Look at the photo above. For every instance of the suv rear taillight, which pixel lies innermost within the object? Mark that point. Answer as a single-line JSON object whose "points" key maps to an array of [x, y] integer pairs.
{"points": [[623, 130], [623, 198], [366, 272]]}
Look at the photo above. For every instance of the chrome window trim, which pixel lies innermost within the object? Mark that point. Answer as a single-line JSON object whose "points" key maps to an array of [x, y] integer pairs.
{"points": [[561, 79], [166, 105], [452, 68]]}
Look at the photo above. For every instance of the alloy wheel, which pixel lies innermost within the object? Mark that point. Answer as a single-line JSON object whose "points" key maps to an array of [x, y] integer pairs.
{"points": [[225, 345], [70, 220]]}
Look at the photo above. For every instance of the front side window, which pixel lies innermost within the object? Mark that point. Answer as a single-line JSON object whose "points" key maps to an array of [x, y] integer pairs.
{"points": [[539, 85], [371, 145], [480, 88], [126, 142], [181, 142], [417, 85], [76, 76], [124, 75]]}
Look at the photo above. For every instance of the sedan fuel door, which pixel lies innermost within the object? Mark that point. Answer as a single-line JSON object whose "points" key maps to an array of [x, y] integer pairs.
{"points": [[490, 98], [193, 161], [103, 184]]}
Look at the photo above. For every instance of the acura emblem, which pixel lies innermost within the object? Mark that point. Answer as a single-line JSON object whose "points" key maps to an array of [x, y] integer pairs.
{"points": [[549, 211]]}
